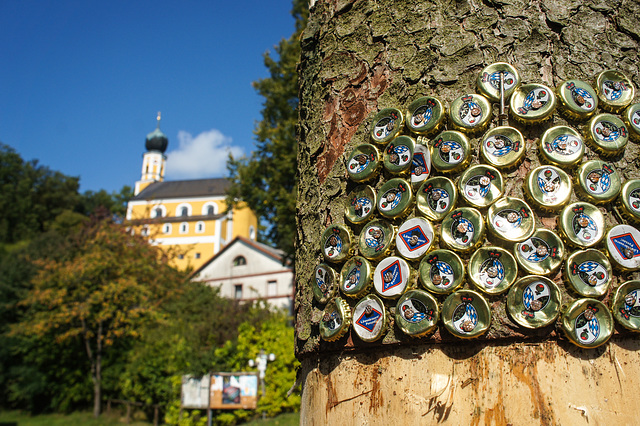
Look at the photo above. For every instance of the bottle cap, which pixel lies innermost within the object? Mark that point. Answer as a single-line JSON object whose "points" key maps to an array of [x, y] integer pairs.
{"points": [[623, 248], [356, 277], [562, 146], [436, 197], [480, 185], [337, 243], [417, 313], [370, 319], [395, 198], [364, 163], [466, 314], [441, 271], [492, 270], [541, 254], [488, 81], [398, 155], [510, 219], [336, 320], [587, 323], [450, 151], [361, 204], [607, 134], [376, 239], [421, 165], [588, 273], [503, 147], [615, 91], [548, 187], [629, 200], [391, 277], [414, 238], [581, 225], [463, 229], [626, 305], [387, 124], [326, 283], [577, 99], [470, 113], [598, 181], [534, 302], [425, 116], [631, 118], [532, 103]]}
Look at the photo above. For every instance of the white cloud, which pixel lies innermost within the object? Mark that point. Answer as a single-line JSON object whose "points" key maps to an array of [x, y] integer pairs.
{"points": [[202, 156]]}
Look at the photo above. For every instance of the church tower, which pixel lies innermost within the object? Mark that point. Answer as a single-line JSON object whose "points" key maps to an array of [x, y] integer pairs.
{"points": [[154, 160]]}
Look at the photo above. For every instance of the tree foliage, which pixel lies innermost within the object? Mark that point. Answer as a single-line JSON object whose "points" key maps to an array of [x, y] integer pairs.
{"points": [[267, 180]]}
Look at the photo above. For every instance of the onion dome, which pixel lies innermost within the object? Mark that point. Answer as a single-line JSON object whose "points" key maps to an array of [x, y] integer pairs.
{"points": [[156, 140]]}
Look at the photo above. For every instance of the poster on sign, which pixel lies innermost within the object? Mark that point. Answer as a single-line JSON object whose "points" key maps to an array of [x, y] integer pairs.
{"points": [[234, 391]]}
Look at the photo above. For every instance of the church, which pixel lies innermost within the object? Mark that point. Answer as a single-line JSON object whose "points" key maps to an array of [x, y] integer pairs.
{"points": [[187, 218]]}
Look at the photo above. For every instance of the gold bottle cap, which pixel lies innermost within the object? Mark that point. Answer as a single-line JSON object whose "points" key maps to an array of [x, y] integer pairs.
{"points": [[607, 134], [587, 323], [562, 146], [615, 90], [361, 204], [492, 270], [629, 200], [417, 313], [488, 81], [387, 124], [631, 118], [470, 113], [532, 103], [534, 302], [326, 283], [450, 151], [370, 318], [588, 273], [414, 238], [623, 248], [336, 320], [395, 198], [391, 277], [480, 185], [548, 187], [510, 219], [398, 155], [337, 243], [577, 99], [436, 197], [441, 271], [626, 305], [463, 229], [541, 254], [425, 116], [503, 147], [356, 277], [376, 239], [581, 225], [598, 181], [420, 165], [466, 314], [363, 163]]}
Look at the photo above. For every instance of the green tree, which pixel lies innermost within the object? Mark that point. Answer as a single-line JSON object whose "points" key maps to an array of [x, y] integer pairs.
{"points": [[267, 180]]}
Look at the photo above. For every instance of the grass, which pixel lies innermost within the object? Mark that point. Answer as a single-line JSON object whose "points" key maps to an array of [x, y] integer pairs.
{"points": [[19, 418], [287, 419]]}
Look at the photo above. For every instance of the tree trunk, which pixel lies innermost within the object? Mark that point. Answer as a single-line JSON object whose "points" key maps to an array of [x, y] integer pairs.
{"points": [[97, 379], [359, 57]]}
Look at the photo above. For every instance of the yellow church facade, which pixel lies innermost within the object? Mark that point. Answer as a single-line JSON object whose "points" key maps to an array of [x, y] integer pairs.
{"points": [[187, 218]]}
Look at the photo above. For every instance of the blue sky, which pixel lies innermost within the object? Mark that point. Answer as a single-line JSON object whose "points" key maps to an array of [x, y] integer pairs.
{"points": [[81, 82]]}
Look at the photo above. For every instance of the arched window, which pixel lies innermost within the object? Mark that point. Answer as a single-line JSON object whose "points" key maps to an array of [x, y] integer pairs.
{"points": [[145, 231], [183, 210], [239, 261], [210, 209], [252, 232], [200, 227], [166, 228], [184, 227], [158, 211]]}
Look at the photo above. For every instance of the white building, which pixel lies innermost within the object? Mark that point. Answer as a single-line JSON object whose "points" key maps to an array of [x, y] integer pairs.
{"points": [[247, 270]]}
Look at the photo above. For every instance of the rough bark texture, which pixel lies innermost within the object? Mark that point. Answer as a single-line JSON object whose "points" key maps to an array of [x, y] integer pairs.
{"points": [[361, 56]]}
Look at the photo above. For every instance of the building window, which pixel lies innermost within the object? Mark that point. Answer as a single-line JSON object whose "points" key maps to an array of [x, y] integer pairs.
{"points": [[145, 231], [184, 227], [183, 210], [158, 211], [166, 228], [272, 288], [200, 227], [181, 256], [239, 261], [197, 256], [210, 209], [252, 232], [237, 291]]}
